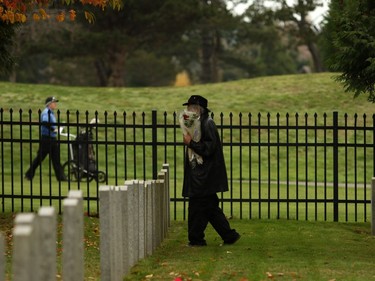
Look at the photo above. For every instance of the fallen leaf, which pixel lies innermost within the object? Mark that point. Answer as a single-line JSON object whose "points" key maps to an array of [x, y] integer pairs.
{"points": [[294, 274], [149, 276]]}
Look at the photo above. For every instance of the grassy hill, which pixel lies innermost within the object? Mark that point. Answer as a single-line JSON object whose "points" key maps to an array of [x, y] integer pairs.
{"points": [[305, 93], [268, 249]]}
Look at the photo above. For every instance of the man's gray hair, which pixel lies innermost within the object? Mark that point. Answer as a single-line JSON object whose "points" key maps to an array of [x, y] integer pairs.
{"points": [[197, 106]]}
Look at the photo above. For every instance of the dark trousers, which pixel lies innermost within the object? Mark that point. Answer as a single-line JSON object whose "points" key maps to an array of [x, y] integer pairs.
{"points": [[47, 145], [204, 210]]}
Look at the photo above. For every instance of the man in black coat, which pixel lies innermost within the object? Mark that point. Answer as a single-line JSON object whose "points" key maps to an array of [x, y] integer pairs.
{"points": [[204, 179]]}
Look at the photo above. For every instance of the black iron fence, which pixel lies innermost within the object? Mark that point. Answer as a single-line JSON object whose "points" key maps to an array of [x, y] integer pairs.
{"points": [[304, 167]]}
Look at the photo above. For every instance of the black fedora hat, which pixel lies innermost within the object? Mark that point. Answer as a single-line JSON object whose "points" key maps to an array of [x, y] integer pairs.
{"points": [[199, 100]]}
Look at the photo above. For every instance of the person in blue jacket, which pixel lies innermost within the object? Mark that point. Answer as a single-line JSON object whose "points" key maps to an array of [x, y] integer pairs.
{"points": [[203, 180], [48, 143]]}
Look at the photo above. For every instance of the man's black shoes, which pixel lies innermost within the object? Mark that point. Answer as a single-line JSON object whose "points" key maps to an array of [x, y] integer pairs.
{"points": [[200, 244], [63, 179], [232, 240]]}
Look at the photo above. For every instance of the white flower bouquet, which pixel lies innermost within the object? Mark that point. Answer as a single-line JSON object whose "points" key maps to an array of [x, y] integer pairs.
{"points": [[190, 124]]}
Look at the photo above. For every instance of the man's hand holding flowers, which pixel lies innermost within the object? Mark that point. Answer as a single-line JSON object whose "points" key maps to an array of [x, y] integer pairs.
{"points": [[190, 125]]}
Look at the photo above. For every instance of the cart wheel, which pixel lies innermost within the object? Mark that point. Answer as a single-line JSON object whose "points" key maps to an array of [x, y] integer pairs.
{"points": [[70, 169], [101, 177], [90, 176]]}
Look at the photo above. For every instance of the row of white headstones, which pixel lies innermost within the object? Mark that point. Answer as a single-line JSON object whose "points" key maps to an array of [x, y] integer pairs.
{"points": [[133, 218]]}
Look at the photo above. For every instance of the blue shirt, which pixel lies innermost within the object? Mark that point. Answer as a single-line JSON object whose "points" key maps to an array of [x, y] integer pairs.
{"points": [[48, 120]]}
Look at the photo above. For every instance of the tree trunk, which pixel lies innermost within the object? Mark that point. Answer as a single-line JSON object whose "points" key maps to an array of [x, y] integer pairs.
{"points": [[13, 76], [318, 66], [215, 61], [210, 48], [102, 72], [117, 66], [308, 36], [207, 50]]}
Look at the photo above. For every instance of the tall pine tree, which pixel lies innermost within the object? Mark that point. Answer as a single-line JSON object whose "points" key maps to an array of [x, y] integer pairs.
{"points": [[350, 44]]}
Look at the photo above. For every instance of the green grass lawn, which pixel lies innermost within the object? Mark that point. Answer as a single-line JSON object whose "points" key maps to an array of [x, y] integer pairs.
{"points": [[283, 250], [288, 94], [312, 93], [267, 250]]}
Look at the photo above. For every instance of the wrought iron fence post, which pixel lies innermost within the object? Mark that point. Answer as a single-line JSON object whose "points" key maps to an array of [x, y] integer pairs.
{"points": [[154, 146], [373, 206], [335, 168], [373, 141]]}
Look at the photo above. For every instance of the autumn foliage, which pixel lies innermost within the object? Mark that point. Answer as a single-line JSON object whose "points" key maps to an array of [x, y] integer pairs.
{"points": [[19, 11]]}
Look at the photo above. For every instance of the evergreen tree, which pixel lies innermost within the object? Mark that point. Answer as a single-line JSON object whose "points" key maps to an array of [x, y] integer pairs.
{"points": [[349, 44]]}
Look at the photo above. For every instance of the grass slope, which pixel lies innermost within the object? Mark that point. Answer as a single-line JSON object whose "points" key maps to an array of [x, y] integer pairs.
{"points": [[312, 93], [268, 249]]}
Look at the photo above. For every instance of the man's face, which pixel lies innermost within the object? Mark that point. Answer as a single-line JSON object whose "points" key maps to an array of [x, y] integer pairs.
{"points": [[53, 105], [194, 108]]}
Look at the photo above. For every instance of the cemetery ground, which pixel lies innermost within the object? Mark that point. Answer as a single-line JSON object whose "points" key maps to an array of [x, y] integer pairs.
{"points": [[267, 250]]}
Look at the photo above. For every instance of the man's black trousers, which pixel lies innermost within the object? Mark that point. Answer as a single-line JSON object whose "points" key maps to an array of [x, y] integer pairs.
{"points": [[47, 146], [204, 210]]}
